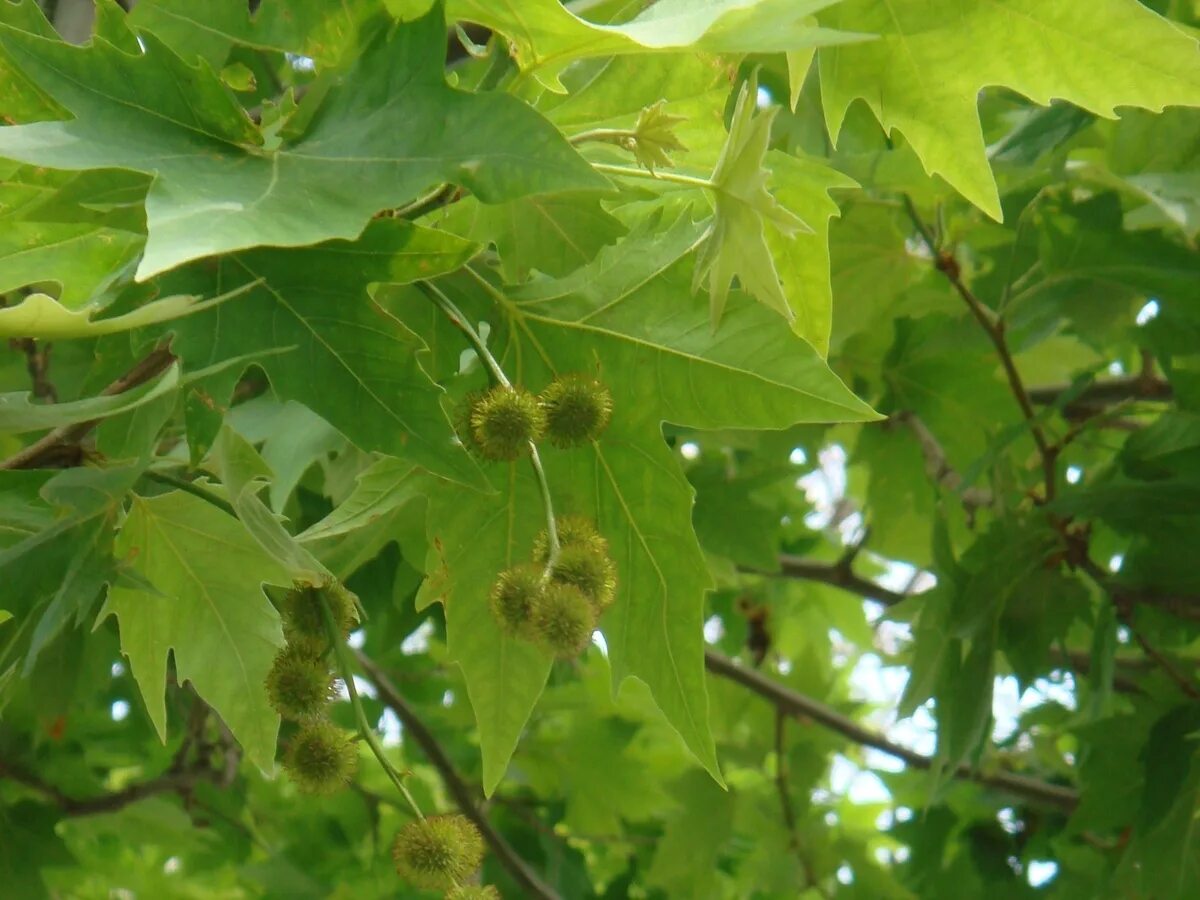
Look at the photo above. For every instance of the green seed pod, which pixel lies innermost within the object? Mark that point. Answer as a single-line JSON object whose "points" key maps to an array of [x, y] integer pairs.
{"points": [[299, 683], [474, 892], [435, 852], [572, 531], [513, 597], [578, 408], [589, 569], [321, 758], [504, 421], [303, 620], [563, 620]]}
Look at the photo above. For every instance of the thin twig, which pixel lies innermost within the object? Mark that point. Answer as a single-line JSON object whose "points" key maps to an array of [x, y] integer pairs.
{"points": [[834, 575], [1185, 684], [800, 706], [172, 782], [190, 487], [656, 175], [937, 464], [993, 326], [338, 643], [520, 870], [43, 449], [460, 321]]}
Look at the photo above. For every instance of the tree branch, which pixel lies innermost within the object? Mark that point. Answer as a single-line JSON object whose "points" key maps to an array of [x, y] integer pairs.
{"points": [[50, 445], [836, 575], [462, 794], [937, 465], [993, 326], [176, 782], [800, 706], [1103, 393]]}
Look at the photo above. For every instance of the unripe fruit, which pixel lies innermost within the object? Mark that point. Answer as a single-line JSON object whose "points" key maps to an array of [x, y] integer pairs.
{"points": [[563, 620], [321, 758], [436, 852], [572, 530], [578, 409], [513, 597], [299, 683], [504, 421], [303, 620], [474, 892], [589, 569]]}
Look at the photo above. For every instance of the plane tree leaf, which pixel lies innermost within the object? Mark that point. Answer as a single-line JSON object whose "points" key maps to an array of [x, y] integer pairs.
{"points": [[923, 74], [218, 188]]}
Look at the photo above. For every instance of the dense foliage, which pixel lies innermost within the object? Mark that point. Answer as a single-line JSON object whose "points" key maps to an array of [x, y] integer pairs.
{"points": [[508, 449]]}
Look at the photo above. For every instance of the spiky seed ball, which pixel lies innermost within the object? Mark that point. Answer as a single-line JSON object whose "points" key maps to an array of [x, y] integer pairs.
{"points": [[572, 530], [504, 421], [435, 852], [303, 620], [321, 758], [578, 409], [590, 570], [563, 620], [513, 597], [474, 892], [299, 683]]}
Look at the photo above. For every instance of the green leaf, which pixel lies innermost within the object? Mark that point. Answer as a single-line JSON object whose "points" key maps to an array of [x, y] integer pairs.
{"points": [[802, 259], [554, 235], [349, 361], [386, 486], [214, 618], [736, 246], [218, 188], [471, 540], [18, 414], [546, 36], [321, 31], [925, 72], [42, 317], [621, 318]]}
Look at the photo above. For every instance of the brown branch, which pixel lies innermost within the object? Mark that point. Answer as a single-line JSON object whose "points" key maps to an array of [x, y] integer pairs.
{"points": [[836, 575], [172, 782], [1185, 683], [993, 326], [37, 363], [1104, 393], [463, 796], [52, 445], [937, 465], [800, 706]]}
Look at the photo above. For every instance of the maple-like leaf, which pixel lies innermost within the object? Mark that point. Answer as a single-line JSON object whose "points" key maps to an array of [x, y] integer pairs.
{"points": [[654, 135], [389, 130], [933, 57], [736, 246]]}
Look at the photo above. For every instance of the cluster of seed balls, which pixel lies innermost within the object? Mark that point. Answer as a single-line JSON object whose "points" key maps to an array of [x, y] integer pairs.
{"points": [[555, 606], [500, 424], [320, 757], [436, 853]]}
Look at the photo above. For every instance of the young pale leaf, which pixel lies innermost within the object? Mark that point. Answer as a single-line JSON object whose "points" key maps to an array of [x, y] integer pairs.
{"points": [[42, 317], [737, 242], [213, 609], [654, 137], [925, 72], [217, 189], [546, 36], [18, 415]]}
